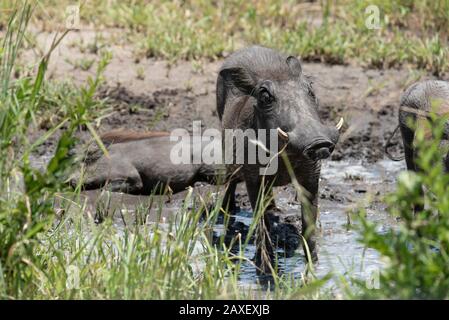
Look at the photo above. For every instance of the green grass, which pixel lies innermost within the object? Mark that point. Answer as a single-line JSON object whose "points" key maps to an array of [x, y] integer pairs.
{"points": [[83, 64], [78, 259], [412, 32]]}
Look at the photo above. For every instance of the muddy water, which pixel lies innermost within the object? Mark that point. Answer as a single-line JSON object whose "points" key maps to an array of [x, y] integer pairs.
{"points": [[345, 186]]}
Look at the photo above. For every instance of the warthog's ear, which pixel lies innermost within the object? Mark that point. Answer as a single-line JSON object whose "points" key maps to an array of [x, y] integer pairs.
{"points": [[240, 78], [295, 66]]}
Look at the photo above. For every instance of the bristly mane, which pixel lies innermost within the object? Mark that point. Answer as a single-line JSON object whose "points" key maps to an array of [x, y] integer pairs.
{"points": [[121, 135], [93, 152]]}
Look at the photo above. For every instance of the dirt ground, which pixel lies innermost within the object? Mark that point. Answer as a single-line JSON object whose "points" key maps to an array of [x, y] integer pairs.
{"points": [[150, 94]]}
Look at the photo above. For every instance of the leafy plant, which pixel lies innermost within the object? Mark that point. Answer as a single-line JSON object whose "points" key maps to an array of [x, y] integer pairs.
{"points": [[416, 252], [27, 194]]}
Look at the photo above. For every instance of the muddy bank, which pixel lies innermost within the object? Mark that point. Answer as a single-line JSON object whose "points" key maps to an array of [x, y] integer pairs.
{"points": [[148, 94]]}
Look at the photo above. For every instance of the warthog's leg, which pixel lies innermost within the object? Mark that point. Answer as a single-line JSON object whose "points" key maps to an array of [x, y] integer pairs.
{"points": [[211, 176], [408, 136], [229, 204], [264, 251], [116, 175], [309, 177], [126, 185]]}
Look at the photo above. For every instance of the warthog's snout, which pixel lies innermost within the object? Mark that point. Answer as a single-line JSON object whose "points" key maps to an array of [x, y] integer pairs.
{"points": [[318, 150]]}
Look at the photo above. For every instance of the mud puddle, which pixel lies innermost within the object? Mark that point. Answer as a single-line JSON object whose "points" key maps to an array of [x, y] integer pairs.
{"points": [[353, 185], [345, 186]]}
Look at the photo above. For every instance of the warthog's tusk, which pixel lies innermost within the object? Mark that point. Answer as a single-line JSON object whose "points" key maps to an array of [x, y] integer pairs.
{"points": [[283, 134], [340, 123]]}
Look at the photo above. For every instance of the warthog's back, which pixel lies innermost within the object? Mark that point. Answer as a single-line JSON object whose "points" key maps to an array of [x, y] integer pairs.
{"points": [[117, 137], [120, 136], [424, 97], [420, 95], [139, 162]]}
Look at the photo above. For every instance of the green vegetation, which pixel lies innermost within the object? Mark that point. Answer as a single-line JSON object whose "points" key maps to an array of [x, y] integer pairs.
{"points": [[28, 195], [417, 251], [411, 32], [83, 64]]}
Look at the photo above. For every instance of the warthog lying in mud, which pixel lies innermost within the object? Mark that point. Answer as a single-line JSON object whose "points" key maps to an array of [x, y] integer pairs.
{"points": [[140, 163], [260, 88]]}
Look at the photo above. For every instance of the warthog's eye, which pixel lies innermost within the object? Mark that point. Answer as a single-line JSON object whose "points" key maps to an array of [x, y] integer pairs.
{"points": [[265, 96]]}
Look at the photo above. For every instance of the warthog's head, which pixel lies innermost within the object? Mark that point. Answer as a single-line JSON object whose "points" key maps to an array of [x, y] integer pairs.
{"points": [[286, 102]]}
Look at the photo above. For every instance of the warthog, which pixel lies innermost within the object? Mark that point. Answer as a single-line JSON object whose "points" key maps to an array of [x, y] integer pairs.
{"points": [[416, 103], [260, 88], [140, 163]]}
